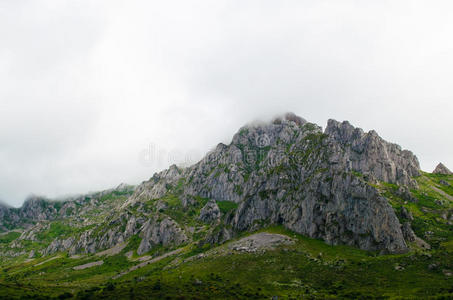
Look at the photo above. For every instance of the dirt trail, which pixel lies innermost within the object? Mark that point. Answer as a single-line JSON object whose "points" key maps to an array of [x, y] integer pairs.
{"points": [[113, 251], [50, 259], [147, 262], [443, 193], [9, 231], [89, 265]]}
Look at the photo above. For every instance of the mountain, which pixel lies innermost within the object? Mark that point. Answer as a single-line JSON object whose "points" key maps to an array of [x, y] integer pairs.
{"points": [[284, 184], [292, 173]]}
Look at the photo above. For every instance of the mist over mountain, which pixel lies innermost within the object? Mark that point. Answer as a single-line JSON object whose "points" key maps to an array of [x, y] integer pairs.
{"points": [[89, 86]]}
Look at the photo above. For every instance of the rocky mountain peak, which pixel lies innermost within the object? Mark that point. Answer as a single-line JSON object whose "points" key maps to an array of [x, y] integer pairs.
{"points": [[291, 172], [34, 201], [37, 208], [342, 131], [264, 134], [290, 117], [369, 154], [442, 169], [122, 187]]}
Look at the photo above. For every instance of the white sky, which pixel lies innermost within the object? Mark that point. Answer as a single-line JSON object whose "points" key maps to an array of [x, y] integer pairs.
{"points": [[95, 93]]}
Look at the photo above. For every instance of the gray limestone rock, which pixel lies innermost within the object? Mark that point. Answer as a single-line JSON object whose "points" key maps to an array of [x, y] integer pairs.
{"points": [[442, 169], [443, 182], [164, 232], [210, 212], [406, 214], [408, 233]]}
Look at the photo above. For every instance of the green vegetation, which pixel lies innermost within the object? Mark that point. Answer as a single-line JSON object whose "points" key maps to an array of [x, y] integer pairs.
{"points": [[226, 206], [310, 126], [115, 196], [56, 229], [133, 244], [429, 204], [172, 201], [185, 216], [243, 131], [308, 268], [9, 237]]}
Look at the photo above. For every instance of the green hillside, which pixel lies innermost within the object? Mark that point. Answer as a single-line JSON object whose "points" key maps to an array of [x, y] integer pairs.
{"points": [[308, 268]]}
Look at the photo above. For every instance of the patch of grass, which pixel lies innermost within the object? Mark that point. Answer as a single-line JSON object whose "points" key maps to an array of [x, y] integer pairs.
{"points": [[227, 206], [427, 208], [9, 237], [56, 229], [439, 180], [172, 200], [133, 244]]}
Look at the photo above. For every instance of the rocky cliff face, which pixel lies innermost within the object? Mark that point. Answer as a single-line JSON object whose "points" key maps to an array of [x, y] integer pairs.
{"points": [[370, 155], [37, 209], [164, 232], [292, 173], [4, 212], [34, 209]]}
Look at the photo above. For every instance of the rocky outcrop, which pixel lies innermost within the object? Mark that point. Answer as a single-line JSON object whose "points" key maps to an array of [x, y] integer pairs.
{"points": [[342, 211], [34, 209], [37, 209], [4, 216], [83, 224], [406, 214], [210, 212], [156, 187], [370, 155], [218, 235], [408, 233], [442, 169], [164, 232], [153, 232], [59, 245]]}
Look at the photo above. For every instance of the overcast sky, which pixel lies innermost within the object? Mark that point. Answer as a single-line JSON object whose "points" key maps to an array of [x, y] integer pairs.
{"points": [[95, 93]]}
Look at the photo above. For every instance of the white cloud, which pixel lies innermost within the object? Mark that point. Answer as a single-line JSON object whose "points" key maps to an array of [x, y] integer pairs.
{"points": [[87, 86]]}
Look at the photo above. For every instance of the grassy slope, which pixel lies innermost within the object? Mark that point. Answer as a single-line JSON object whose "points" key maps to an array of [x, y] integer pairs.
{"points": [[309, 267], [432, 210]]}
